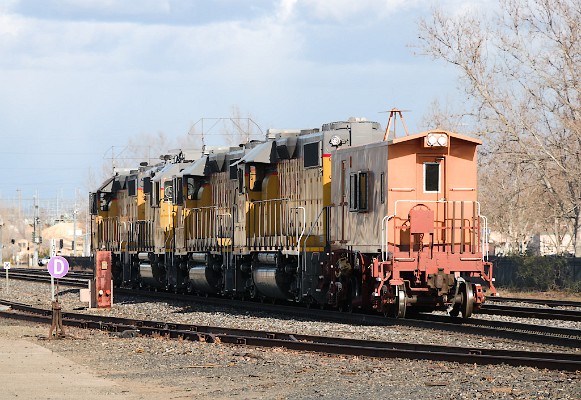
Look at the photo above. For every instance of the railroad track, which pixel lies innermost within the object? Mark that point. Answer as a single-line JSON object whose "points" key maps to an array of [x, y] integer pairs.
{"points": [[530, 312], [318, 344], [535, 333], [545, 302], [76, 279]]}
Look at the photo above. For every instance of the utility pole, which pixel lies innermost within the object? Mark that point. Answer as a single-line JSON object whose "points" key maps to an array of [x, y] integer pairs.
{"points": [[20, 222], [1, 243], [36, 234], [75, 211]]}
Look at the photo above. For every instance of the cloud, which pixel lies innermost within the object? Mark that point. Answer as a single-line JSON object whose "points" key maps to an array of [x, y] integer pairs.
{"points": [[343, 10], [27, 42], [166, 12]]}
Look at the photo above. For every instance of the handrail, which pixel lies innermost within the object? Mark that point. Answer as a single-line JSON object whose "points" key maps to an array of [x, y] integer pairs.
{"points": [[484, 238], [385, 235], [387, 218], [436, 201], [299, 237], [231, 231]]}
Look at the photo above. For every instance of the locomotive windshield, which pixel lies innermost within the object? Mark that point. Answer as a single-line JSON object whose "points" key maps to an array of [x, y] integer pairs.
{"points": [[168, 190]]}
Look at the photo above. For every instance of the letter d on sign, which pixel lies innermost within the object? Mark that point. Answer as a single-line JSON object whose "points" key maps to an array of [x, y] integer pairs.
{"points": [[58, 266]]}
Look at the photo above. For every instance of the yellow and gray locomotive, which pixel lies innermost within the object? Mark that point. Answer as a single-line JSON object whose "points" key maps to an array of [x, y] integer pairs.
{"points": [[341, 216]]}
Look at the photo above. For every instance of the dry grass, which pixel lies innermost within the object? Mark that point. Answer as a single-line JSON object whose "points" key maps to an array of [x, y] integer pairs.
{"points": [[552, 294]]}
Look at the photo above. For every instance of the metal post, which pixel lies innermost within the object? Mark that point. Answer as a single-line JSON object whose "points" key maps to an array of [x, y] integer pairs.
{"points": [[52, 254]]}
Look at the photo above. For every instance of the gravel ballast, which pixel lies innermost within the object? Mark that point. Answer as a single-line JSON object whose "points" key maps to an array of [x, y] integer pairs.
{"points": [[164, 368]]}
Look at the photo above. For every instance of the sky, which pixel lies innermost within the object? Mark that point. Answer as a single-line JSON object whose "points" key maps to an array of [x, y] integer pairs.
{"points": [[80, 78]]}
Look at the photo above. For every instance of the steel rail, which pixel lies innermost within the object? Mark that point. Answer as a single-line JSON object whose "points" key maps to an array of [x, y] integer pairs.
{"points": [[530, 312], [308, 343], [44, 272], [45, 278], [546, 302]]}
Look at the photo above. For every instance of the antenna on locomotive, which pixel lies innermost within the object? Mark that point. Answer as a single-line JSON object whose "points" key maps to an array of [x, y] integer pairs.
{"points": [[393, 113]]}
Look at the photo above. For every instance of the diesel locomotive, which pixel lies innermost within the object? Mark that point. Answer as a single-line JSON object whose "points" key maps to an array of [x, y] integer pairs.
{"points": [[345, 217]]}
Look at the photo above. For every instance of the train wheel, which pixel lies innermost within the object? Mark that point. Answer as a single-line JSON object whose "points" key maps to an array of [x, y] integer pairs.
{"points": [[467, 301], [400, 302]]}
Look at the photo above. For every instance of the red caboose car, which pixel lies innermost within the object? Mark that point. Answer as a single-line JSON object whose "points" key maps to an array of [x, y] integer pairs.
{"points": [[420, 192]]}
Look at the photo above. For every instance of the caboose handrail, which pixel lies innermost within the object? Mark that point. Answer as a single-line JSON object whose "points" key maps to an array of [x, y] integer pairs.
{"points": [[386, 219], [384, 236], [484, 237], [436, 201]]}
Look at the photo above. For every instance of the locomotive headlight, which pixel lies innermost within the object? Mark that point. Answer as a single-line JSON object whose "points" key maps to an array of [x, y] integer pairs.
{"points": [[443, 140], [335, 141], [432, 140]]}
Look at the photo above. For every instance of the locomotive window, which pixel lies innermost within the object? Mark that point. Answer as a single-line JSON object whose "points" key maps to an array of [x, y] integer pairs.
{"points": [[191, 188], [147, 185], [178, 193], [104, 201], [311, 155], [240, 180], [167, 190], [92, 204], [233, 169], [154, 197], [431, 177], [132, 187]]}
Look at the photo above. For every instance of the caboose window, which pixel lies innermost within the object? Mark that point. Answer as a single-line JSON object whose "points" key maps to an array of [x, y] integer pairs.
{"points": [[358, 189], [353, 192], [431, 177], [362, 191], [382, 188]]}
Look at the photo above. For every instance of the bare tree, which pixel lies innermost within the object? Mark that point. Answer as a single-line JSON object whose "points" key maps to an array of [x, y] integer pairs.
{"points": [[521, 69], [442, 116], [226, 131]]}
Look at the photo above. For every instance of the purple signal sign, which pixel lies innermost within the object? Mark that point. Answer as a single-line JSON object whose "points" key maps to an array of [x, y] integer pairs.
{"points": [[58, 266]]}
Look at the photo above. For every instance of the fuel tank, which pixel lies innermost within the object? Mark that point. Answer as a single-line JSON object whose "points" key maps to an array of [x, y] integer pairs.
{"points": [[147, 277], [204, 278], [272, 282]]}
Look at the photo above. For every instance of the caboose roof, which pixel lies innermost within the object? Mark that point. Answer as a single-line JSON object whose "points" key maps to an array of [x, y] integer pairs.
{"points": [[425, 133]]}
